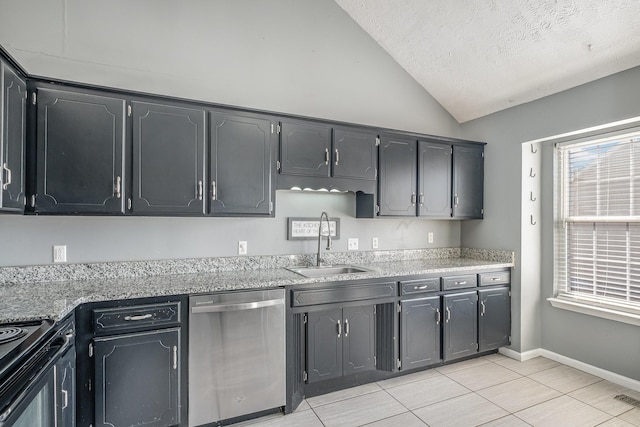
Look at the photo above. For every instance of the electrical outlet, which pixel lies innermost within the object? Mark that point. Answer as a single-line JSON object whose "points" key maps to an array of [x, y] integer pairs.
{"points": [[374, 243], [430, 237], [352, 244], [60, 253], [242, 247]]}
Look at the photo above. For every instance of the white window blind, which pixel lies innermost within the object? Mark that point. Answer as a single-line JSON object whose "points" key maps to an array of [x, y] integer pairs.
{"points": [[597, 234]]}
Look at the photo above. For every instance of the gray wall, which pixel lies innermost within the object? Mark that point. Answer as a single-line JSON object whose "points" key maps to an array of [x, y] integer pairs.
{"points": [[603, 343], [303, 57]]}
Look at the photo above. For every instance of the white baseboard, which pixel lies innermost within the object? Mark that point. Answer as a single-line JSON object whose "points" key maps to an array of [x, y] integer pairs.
{"points": [[585, 367]]}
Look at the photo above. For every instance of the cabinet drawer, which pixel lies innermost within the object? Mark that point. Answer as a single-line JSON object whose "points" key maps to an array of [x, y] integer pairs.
{"points": [[343, 294], [140, 316], [409, 287], [496, 278], [459, 282]]}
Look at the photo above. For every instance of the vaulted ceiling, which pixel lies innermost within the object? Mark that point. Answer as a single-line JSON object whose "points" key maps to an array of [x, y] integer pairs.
{"points": [[476, 57]]}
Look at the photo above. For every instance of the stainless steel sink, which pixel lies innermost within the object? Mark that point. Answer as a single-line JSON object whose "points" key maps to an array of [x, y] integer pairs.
{"points": [[329, 270]]}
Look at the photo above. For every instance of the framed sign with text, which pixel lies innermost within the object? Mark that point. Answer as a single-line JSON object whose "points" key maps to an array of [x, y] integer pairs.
{"points": [[307, 228]]}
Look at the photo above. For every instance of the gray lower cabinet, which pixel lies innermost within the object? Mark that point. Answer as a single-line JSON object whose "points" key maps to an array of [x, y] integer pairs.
{"points": [[340, 342], [494, 326], [460, 332], [12, 140], [242, 163], [137, 379], [419, 332]]}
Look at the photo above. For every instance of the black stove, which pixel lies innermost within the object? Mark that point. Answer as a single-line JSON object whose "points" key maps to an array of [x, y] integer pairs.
{"points": [[17, 339], [10, 333]]}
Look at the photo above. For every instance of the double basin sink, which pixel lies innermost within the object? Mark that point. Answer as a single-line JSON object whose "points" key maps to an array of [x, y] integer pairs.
{"points": [[329, 270]]}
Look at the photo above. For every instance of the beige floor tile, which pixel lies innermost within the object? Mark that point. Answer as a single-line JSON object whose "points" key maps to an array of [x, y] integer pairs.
{"points": [[483, 376], [446, 369], [601, 396], [564, 378], [411, 378], [422, 393], [528, 367], [508, 421], [616, 422], [518, 394], [632, 417], [304, 405], [359, 410], [495, 357], [467, 410], [304, 418], [347, 393], [563, 411], [403, 420]]}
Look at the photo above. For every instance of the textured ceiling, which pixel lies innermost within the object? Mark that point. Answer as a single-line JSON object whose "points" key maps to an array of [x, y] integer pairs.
{"points": [[477, 57]]}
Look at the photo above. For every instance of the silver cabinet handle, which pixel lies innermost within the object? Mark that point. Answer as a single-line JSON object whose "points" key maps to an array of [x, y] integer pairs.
{"points": [[65, 399], [448, 314], [421, 199], [339, 329], [118, 187], [8, 181], [214, 194], [199, 190], [217, 308], [175, 357], [413, 199], [483, 308], [463, 282], [455, 200], [346, 328], [138, 317], [419, 288], [437, 316], [337, 157], [326, 156], [495, 279]]}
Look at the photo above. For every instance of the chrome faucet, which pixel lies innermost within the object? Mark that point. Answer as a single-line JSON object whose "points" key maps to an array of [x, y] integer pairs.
{"points": [[326, 217]]}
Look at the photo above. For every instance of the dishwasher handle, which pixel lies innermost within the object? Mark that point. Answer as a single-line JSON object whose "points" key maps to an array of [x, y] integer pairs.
{"points": [[217, 308]]}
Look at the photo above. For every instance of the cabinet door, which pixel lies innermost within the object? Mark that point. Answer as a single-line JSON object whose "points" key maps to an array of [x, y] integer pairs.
{"points": [[304, 148], [397, 193], [468, 181], [66, 389], [168, 159], [354, 155], [242, 154], [359, 347], [324, 345], [12, 140], [420, 332], [137, 379], [494, 326], [460, 325], [80, 152], [434, 179]]}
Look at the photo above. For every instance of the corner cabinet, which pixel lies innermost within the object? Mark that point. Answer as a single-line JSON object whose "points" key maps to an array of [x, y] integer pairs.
{"points": [[468, 181], [242, 163], [168, 159], [80, 155], [13, 90], [494, 325]]}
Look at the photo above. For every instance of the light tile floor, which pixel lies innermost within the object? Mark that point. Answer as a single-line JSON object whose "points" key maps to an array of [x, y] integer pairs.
{"points": [[489, 391]]}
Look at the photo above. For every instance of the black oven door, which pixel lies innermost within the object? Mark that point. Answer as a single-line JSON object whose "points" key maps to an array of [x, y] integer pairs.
{"points": [[36, 407]]}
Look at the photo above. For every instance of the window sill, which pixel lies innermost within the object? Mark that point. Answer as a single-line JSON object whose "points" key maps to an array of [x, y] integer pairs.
{"points": [[592, 310]]}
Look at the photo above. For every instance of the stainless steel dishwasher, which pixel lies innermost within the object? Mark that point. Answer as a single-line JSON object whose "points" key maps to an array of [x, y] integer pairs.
{"points": [[236, 354]]}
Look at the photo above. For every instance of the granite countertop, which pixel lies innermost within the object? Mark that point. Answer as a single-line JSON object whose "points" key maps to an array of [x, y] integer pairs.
{"points": [[55, 299]]}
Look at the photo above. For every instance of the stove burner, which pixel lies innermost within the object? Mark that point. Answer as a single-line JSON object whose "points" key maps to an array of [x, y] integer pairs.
{"points": [[10, 333]]}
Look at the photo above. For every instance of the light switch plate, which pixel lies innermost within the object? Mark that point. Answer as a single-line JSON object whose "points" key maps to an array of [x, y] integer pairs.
{"points": [[374, 243], [242, 247], [352, 244], [430, 237]]}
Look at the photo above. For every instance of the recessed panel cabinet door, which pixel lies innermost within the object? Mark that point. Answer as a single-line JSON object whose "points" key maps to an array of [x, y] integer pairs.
{"points": [[241, 159], [494, 325], [468, 181], [397, 195], [434, 179], [355, 154], [420, 332], [137, 379], [80, 152], [304, 148], [12, 140], [65, 372], [359, 347], [460, 324], [168, 159], [324, 345]]}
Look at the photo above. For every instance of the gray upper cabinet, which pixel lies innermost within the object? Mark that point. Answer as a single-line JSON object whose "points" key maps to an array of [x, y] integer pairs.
{"points": [[354, 154], [434, 179], [468, 181], [168, 159], [242, 163], [12, 140], [397, 181], [305, 148], [80, 152]]}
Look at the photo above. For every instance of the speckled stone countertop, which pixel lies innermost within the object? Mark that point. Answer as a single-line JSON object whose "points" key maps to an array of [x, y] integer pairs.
{"points": [[21, 300]]}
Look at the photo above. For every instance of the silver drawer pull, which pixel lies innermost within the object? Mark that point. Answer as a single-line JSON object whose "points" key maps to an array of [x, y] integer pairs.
{"points": [[495, 279], [199, 190], [483, 308], [339, 329], [448, 314], [214, 192], [463, 282], [138, 317], [419, 288], [337, 157], [326, 156], [118, 187], [438, 316], [346, 328]]}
